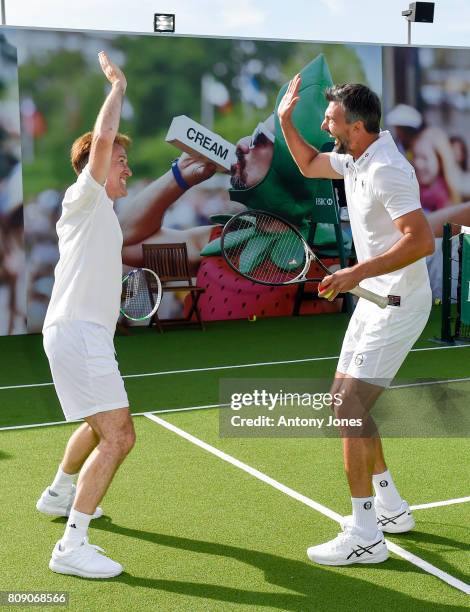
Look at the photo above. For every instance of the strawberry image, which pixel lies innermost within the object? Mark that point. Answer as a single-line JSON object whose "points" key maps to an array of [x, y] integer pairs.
{"points": [[230, 296]]}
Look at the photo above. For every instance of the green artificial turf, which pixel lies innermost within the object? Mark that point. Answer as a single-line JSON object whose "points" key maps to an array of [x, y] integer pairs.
{"points": [[195, 533], [22, 362]]}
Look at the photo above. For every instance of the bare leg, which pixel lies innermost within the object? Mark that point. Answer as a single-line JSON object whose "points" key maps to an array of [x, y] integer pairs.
{"points": [[81, 444], [379, 464], [116, 434], [360, 453]]}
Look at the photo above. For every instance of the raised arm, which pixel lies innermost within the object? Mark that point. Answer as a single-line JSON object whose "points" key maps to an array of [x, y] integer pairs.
{"points": [[143, 216], [311, 163], [107, 122]]}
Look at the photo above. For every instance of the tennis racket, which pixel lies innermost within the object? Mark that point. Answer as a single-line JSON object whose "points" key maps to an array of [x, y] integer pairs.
{"points": [[141, 294], [266, 249]]}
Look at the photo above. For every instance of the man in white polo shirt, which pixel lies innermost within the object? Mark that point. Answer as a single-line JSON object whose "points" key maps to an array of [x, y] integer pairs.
{"points": [[78, 336], [392, 238]]}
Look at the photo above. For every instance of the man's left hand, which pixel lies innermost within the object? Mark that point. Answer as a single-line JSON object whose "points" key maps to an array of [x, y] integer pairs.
{"points": [[194, 170], [341, 281]]}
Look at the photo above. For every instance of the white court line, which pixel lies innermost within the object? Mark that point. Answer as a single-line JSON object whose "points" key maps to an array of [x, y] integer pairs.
{"points": [[298, 496], [164, 411], [208, 406], [430, 382], [192, 370], [32, 426], [48, 384], [446, 502], [235, 366], [401, 552]]}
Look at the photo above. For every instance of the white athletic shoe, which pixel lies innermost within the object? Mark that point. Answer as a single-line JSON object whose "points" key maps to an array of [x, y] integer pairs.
{"points": [[59, 505], [84, 561], [348, 548], [396, 521], [389, 521]]}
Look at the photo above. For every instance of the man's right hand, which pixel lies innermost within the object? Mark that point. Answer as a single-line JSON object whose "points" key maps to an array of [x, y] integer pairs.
{"points": [[114, 74], [290, 99]]}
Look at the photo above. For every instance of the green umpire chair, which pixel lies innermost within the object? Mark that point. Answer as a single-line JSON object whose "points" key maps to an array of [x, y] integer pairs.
{"points": [[326, 236]]}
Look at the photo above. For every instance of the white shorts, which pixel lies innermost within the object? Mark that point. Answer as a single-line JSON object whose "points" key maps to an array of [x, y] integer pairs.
{"points": [[84, 368], [377, 342]]}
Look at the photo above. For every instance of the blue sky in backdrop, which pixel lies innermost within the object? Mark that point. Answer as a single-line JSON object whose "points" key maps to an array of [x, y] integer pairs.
{"points": [[376, 21]]}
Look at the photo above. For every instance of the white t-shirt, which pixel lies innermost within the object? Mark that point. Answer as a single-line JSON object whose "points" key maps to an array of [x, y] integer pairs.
{"points": [[381, 186], [88, 275]]}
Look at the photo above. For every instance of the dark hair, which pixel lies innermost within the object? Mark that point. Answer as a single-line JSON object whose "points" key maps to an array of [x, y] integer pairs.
{"points": [[359, 102], [459, 140]]}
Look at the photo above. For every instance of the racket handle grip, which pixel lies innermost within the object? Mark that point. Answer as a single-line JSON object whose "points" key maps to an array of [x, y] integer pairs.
{"points": [[380, 300]]}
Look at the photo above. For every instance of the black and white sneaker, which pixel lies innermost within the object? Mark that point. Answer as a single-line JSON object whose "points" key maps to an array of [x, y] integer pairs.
{"points": [[389, 521], [349, 547], [394, 521]]}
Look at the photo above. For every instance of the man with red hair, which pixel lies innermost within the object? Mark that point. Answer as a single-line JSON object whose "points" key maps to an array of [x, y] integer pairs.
{"points": [[78, 336]]}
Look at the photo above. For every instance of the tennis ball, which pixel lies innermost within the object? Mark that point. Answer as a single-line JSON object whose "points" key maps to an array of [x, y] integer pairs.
{"points": [[327, 295], [252, 318]]}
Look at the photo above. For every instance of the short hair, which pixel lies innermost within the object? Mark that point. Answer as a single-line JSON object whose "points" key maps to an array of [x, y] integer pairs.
{"points": [[80, 151], [360, 104]]}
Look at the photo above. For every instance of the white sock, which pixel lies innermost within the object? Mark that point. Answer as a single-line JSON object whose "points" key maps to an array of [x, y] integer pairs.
{"points": [[363, 516], [63, 482], [76, 530], [386, 491]]}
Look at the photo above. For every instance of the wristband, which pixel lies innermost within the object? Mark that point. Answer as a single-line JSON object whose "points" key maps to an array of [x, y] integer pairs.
{"points": [[178, 176]]}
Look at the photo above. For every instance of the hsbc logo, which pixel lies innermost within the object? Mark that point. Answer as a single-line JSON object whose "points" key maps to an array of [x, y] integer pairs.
{"points": [[324, 201]]}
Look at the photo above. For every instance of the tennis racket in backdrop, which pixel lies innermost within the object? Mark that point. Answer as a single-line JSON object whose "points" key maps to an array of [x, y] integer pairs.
{"points": [[268, 250], [141, 294]]}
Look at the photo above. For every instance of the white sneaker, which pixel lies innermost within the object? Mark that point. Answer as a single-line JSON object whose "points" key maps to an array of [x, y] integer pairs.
{"points": [[348, 548], [60, 505], [84, 561], [396, 521], [388, 521]]}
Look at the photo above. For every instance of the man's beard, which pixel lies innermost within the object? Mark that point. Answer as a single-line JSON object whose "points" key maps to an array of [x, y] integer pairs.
{"points": [[238, 183], [236, 180], [342, 146]]}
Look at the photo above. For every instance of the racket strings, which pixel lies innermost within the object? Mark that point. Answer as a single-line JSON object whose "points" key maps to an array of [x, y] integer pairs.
{"points": [[139, 299], [270, 252]]}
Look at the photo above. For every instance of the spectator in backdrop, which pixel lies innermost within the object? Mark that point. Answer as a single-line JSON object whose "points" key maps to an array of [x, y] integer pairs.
{"points": [[436, 170], [459, 147], [12, 273], [254, 154], [12, 255], [407, 123], [141, 219], [457, 215], [264, 177]]}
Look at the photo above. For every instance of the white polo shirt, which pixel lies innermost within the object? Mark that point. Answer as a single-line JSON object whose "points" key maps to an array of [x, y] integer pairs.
{"points": [[381, 186], [88, 275]]}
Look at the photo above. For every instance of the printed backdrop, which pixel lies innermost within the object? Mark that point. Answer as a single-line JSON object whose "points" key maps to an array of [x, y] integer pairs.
{"points": [[52, 82]]}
